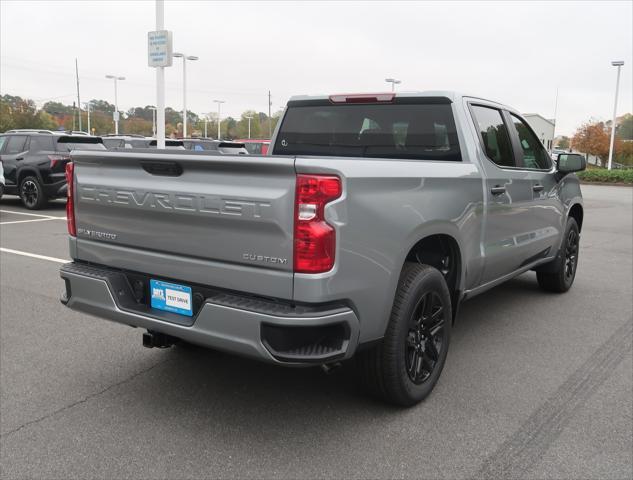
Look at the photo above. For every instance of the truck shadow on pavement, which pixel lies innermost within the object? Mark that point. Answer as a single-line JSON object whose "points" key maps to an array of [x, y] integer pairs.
{"points": [[213, 382]]}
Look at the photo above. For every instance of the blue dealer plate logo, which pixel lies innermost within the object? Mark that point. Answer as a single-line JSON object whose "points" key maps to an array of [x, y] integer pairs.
{"points": [[171, 297]]}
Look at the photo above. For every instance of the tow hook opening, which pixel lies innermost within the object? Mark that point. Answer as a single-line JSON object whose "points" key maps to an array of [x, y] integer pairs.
{"points": [[158, 340]]}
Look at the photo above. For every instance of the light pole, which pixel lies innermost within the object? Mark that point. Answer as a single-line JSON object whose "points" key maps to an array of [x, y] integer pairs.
{"points": [[87, 104], [206, 121], [393, 82], [219, 102], [184, 57], [617, 63], [153, 109], [115, 116], [249, 126]]}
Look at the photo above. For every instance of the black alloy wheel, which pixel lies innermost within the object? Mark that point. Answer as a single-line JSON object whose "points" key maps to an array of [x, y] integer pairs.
{"points": [[31, 193], [559, 274], [571, 254], [424, 341]]}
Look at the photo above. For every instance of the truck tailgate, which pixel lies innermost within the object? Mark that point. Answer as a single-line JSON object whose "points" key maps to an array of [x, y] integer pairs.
{"points": [[209, 219]]}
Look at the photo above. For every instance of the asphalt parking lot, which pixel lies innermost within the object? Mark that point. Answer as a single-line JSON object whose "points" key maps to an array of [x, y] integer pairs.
{"points": [[536, 385]]}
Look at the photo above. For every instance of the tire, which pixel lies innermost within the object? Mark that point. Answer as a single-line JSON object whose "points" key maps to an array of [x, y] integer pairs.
{"points": [[558, 276], [405, 366], [32, 194]]}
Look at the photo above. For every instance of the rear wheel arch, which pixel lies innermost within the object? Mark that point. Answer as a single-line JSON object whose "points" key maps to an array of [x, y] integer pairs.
{"points": [[443, 252], [27, 172]]}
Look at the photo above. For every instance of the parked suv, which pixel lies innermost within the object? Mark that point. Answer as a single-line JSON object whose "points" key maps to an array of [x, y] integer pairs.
{"points": [[225, 147], [373, 219], [112, 142], [34, 163]]}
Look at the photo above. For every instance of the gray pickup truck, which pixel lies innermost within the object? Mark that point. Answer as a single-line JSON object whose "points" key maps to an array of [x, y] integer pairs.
{"points": [[372, 219]]}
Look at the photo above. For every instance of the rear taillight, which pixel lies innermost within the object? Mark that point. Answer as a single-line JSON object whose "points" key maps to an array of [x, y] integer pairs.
{"points": [[55, 159], [315, 239], [70, 199]]}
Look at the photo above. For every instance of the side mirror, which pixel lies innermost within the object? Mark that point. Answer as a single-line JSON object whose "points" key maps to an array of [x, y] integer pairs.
{"points": [[571, 162]]}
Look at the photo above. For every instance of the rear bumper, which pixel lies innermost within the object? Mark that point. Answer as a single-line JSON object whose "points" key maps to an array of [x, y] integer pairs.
{"points": [[55, 189], [261, 329]]}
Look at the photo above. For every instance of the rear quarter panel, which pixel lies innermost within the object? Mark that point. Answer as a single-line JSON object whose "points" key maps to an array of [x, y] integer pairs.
{"points": [[386, 208]]}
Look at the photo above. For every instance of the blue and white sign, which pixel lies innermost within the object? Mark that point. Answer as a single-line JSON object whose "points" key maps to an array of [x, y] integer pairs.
{"points": [[159, 48], [171, 297]]}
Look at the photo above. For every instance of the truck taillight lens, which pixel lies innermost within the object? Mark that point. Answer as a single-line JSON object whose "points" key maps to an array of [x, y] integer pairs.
{"points": [[70, 199], [315, 239]]}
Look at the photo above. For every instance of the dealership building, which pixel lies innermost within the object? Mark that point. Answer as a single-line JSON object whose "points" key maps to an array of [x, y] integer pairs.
{"points": [[543, 128]]}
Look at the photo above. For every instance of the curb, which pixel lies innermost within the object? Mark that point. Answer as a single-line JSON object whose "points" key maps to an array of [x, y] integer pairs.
{"points": [[608, 184]]}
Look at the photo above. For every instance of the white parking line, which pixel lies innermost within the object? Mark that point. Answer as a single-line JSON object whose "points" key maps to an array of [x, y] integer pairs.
{"points": [[50, 217], [27, 221], [34, 255]]}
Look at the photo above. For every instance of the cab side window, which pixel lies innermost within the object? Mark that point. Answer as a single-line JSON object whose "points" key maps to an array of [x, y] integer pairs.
{"points": [[534, 153], [15, 144], [494, 135], [3, 140]]}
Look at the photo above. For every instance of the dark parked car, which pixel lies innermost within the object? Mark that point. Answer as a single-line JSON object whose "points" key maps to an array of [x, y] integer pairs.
{"points": [[219, 146], [34, 163]]}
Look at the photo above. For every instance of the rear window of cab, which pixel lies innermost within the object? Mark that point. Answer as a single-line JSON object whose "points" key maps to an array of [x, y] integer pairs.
{"points": [[420, 131]]}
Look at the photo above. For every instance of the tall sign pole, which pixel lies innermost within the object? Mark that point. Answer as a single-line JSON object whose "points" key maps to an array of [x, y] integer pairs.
{"points": [[159, 56], [270, 120], [78, 99], [617, 63]]}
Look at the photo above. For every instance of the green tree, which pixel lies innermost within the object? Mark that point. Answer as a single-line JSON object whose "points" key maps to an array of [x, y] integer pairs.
{"points": [[57, 108], [101, 106], [563, 143], [625, 129]]}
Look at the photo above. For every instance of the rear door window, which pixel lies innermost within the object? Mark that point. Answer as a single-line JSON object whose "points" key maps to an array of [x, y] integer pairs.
{"points": [[421, 131], [3, 140], [68, 144], [534, 153], [15, 144], [494, 135], [41, 143]]}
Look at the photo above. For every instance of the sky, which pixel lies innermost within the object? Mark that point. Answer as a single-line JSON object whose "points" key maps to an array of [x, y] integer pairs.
{"points": [[516, 53]]}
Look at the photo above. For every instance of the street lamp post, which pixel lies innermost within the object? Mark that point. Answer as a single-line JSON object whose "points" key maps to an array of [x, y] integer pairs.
{"points": [[249, 127], [88, 104], [617, 63], [153, 109], [184, 57], [393, 83], [219, 102], [116, 101]]}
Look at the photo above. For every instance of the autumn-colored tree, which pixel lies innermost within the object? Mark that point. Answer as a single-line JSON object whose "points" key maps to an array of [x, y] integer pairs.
{"points": [[593, 139]]}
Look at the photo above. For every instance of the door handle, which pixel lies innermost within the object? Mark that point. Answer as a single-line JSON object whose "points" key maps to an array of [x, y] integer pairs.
{"points": [[498, 190], [538, 187], [19, 158]]}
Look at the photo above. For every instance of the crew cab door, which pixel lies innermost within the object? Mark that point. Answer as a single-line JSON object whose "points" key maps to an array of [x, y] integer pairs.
{"points": [[547, 212], [509, 230]]}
